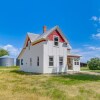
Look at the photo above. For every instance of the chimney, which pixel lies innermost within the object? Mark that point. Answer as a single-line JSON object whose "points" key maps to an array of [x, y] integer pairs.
{"points": [[44, 29]]}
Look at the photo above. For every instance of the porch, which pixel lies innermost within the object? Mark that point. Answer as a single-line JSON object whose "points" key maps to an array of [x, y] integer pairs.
{"points": [[73, 62]]}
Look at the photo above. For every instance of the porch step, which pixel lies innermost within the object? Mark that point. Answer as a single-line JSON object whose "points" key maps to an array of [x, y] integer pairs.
{"points": [[72, 72]]}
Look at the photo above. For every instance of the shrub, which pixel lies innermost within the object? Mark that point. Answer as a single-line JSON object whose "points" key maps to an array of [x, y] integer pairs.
{"points": [[3, 52], [94, 64]]}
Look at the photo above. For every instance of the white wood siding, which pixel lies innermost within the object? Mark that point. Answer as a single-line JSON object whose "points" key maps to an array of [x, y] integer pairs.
{"points": [[56, 52], [34, 52], [43, 50]]}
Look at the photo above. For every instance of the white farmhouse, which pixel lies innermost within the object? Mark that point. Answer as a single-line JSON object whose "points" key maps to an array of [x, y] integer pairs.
{"points": [[48, 52]]}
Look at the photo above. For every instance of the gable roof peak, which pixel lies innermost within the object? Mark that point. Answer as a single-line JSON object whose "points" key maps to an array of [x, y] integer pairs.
{"points": [[44, 35], [34, 37]]}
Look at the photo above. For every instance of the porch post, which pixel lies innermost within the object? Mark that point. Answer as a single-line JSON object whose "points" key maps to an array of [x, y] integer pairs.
{"points": [[73, 63]]}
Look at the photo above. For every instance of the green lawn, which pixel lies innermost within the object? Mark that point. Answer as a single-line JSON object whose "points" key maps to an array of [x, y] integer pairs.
{"points": [[16, 85], [87, 69]]}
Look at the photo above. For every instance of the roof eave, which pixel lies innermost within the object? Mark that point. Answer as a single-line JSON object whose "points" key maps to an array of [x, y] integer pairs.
{"points": [[38, 41], [21, 53]]}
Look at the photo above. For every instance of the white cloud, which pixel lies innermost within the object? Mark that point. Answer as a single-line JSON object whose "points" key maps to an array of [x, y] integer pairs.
{"points": [[93, 48], [95, 18], [96, 36], [12, 50], [87, 52], [96, 23]]}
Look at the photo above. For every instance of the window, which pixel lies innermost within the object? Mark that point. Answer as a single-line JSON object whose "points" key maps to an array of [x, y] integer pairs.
{"points": [[30, 61], [21, 61], [37, 61], [56, 42], [60, 61], [51, 61], [76, 61]]}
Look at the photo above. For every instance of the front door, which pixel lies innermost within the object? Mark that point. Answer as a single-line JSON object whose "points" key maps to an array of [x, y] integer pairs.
{"points": [[70, 63]]}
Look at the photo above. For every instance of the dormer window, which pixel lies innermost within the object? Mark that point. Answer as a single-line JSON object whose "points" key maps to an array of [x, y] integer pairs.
{"points": [[56, 40]]}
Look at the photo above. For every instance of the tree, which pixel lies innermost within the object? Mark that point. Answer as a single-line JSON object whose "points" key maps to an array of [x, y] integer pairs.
{"points": [[3, 52], [94, 64]]}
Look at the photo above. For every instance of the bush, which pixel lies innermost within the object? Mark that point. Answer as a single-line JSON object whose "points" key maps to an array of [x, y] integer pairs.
{"points": [[3, 52], [94, 64]]}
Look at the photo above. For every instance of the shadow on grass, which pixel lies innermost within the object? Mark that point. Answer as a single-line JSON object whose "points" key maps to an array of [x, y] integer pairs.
{"points": [[24, 73], [83, 77], [64, 78]]}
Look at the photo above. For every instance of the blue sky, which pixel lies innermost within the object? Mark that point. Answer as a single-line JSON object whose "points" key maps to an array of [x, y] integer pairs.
{"points": [[78, 19]]}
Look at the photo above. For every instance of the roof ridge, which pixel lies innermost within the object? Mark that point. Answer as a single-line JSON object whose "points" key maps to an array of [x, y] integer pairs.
{"points": [[49, 31], [32, 33]]}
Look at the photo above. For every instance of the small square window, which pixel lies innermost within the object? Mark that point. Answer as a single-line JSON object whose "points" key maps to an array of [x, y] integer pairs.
{"points": [[77, 63]]}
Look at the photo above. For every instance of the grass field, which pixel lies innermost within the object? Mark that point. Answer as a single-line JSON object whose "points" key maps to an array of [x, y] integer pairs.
{"points": [[15, 85], [87, 69]]}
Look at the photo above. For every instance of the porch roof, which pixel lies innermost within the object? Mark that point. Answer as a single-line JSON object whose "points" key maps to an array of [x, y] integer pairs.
{"points": [[73, 55]]}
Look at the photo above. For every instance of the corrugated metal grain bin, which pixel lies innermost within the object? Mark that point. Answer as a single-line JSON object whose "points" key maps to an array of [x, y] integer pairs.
{"points": [[6, 61]]}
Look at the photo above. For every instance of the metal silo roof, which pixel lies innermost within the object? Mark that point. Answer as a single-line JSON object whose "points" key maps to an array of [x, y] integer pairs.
{"points": [[6, 56]]}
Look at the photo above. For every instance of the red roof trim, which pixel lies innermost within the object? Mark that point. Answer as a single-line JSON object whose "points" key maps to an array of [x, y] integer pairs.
{"points": [[74, 56], [38, 42], [27, 41]]}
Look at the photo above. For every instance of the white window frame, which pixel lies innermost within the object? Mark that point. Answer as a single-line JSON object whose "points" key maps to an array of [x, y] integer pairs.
{"points": [[51, 61], [56, 41], [61, 61]]}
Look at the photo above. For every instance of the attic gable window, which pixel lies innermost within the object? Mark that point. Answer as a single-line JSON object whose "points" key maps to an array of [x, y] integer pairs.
{"points": [[56, 40]]}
